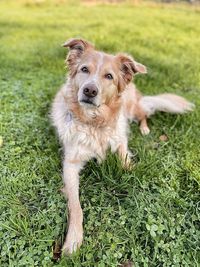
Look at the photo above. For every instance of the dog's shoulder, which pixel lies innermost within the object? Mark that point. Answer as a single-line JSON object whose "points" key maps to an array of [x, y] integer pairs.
{"points": [[60, 113]]}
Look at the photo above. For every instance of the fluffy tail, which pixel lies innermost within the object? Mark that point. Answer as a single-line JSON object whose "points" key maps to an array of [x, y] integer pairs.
{"points": [[165, 102]]}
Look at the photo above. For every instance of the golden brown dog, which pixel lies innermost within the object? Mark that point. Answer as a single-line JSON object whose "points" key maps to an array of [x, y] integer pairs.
{"points": [[91, 114]]}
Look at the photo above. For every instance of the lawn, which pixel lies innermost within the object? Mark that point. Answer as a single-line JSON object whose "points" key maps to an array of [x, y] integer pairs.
{"points": [[148, 215]]}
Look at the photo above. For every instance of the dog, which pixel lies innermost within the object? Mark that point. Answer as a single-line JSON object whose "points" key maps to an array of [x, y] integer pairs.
{"points": [[91, 114]]}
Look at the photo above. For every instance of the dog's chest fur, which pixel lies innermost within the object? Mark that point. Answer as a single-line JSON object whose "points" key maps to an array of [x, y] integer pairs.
{"points": [[92, 141]]}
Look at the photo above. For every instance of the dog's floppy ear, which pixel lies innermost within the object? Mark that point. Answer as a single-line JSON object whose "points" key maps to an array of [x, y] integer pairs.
{"points": [[77, 47], [129, 67]]}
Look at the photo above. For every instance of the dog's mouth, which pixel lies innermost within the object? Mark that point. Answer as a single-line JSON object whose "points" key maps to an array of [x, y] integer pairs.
{"points": [[88, 102]]}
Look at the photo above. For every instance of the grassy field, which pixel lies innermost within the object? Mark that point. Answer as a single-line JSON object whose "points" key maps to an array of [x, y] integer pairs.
{"points": [[150, 215]]}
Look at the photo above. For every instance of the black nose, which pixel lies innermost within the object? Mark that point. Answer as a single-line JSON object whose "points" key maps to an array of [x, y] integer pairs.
{"points": [[90, 91]]}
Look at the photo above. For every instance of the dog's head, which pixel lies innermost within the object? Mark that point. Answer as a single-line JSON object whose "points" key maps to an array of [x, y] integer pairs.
{"points": [[98, 77]]}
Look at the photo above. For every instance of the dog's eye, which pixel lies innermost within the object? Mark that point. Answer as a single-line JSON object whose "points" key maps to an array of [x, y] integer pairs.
{"points": [[109, 76], [85, 70]]}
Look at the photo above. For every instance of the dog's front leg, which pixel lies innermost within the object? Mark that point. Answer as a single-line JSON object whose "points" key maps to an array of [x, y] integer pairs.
{"points": [[71, 190]]}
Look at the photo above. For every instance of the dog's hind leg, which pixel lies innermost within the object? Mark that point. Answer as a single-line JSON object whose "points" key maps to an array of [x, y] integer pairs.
{"points": [[144, 129], [71, 190], [134, 111]]}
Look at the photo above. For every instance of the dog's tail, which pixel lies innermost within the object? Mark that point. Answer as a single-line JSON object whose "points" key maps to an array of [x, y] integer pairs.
{"points": [[165, 102]]}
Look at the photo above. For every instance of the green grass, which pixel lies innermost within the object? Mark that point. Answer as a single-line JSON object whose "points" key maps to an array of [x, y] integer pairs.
{"points": [[149, 215]]}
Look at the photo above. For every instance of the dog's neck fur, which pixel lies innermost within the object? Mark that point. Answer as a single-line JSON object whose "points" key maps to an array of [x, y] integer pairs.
{"points": [[105, 115]]}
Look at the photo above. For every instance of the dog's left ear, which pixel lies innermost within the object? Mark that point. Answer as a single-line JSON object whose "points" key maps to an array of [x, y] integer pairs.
{"points": [[77, 47], [129, 67]]}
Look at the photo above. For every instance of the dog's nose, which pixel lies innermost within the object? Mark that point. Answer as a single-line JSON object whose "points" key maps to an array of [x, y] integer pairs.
{"points": [[90, 91]]}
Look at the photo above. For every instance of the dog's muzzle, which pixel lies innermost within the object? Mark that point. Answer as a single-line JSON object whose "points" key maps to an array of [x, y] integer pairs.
{"points": [[89, 92]]}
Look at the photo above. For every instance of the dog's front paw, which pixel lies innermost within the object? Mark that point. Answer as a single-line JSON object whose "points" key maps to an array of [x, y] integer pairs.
{"points": [[127, 162], [128, 165], [73, 240]]}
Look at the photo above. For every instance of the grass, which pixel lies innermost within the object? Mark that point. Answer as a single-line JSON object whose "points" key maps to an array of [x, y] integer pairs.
{"points": [[150, 215]]}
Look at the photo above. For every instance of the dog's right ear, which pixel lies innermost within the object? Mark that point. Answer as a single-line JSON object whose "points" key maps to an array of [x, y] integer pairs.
{"points": [[77, 47]]}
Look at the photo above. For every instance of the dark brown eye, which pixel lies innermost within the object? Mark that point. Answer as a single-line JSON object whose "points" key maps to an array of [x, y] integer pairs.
{"points": [[109, 76], [85, 70]]}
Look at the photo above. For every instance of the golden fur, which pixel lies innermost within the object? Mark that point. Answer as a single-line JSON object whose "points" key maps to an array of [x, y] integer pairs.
{"points": [[91, 113]]}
